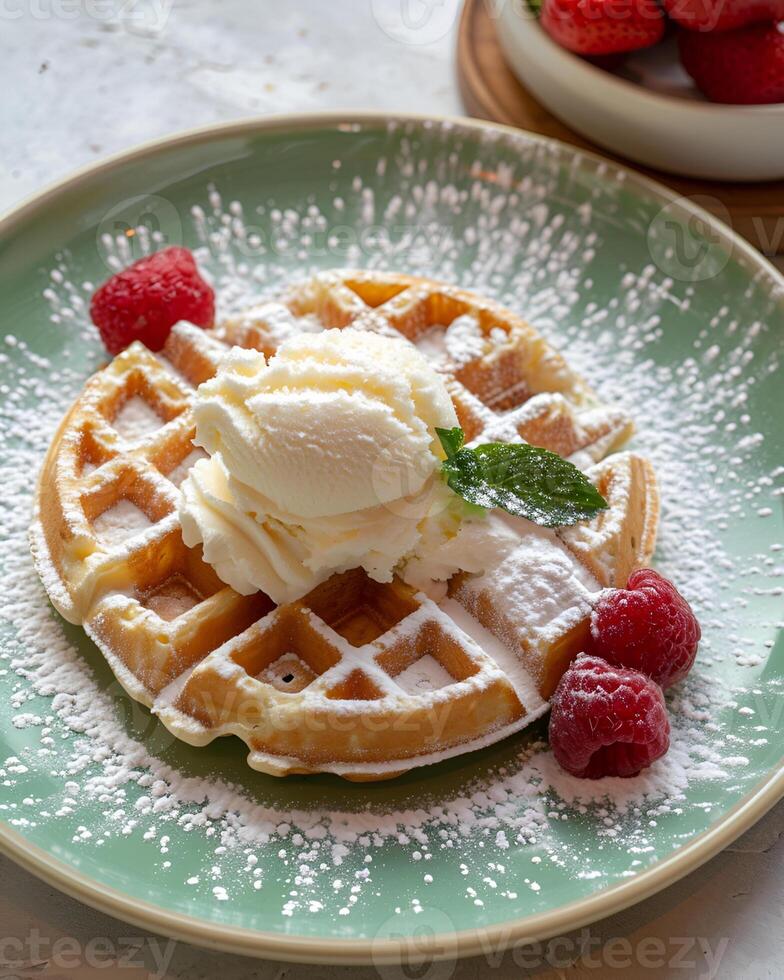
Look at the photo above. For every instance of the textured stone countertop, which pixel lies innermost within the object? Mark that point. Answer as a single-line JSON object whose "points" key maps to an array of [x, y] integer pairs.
{"points": [[85, 78]]}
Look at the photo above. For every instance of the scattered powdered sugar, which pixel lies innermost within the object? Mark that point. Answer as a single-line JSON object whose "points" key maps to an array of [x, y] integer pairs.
{"points": [[519, 244]]}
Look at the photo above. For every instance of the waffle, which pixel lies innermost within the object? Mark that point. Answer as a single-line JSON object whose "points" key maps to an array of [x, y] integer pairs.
{"points": [[359, 678]]}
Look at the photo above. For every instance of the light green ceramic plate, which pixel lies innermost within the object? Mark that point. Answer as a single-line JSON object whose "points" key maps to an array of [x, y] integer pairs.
{"points": [[664, 309]]}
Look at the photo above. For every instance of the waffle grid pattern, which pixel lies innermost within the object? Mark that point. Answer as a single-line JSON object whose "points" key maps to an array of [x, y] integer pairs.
{"points": [[359, 677]]}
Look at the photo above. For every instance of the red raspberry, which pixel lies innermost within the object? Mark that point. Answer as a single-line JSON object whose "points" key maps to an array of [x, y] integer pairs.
{"points": [[144, 301], [606, 720], [648, 626]]}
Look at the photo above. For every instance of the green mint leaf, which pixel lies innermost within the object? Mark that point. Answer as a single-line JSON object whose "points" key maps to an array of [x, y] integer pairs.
{"points": [[452, 440], [525, 481]]}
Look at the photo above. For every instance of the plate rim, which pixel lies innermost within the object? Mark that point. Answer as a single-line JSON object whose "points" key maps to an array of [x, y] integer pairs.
{"points": [[439, 946], [305, 949]]}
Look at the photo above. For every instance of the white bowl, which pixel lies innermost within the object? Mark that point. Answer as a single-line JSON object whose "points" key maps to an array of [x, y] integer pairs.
{"points": [[680, 133]]}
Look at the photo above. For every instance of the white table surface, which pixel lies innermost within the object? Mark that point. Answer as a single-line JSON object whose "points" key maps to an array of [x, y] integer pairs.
{"points": [[84, 78]]}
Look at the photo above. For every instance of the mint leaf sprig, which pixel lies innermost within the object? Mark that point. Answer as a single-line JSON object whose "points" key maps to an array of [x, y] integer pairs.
{"points": [[523, 480]]}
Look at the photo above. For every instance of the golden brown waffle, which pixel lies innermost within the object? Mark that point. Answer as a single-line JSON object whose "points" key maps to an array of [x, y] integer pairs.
{"points": [[359, 678]]}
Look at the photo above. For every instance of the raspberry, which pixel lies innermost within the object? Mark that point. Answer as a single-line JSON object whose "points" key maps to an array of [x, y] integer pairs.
{"points": [[648, 626], [144, 301], [607, 720]]}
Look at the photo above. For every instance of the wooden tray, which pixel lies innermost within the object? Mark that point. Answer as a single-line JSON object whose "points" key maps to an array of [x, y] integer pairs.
{"points": [[490, 90]]}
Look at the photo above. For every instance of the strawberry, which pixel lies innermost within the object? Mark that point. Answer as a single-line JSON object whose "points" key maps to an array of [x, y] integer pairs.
{"points": [[744, 67], [600, 27], [723, 15]]}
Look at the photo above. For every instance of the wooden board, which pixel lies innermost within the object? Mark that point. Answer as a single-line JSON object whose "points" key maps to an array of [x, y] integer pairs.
{"points": [[490, 90]]}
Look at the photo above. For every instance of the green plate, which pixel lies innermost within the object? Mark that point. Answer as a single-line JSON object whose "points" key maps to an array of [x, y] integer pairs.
{"points": [[664, 310]]}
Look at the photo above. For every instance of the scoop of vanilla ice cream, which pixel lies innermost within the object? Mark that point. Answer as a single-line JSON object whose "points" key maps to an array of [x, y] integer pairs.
{"points": [[478, 544], [322, 459]]}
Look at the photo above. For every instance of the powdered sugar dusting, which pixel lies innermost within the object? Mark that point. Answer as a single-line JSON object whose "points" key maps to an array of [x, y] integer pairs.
{"points": [[136, 419], [426, 674], [119, 522], [461, 341], [178, 474], [521, 242]]}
